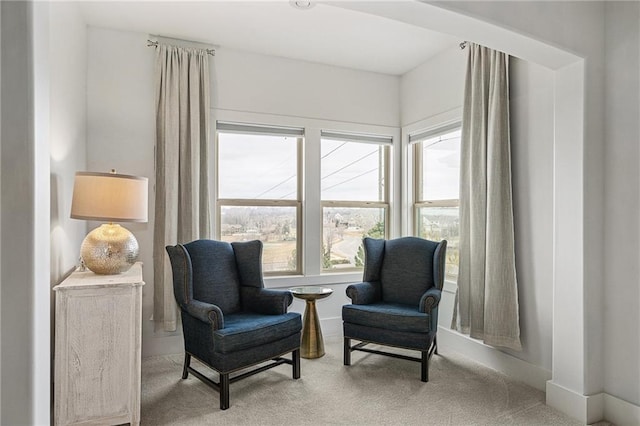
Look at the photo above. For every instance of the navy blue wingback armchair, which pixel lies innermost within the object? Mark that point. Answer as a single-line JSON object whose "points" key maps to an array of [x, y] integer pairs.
{"points": [[229, 320], [397, 302]]}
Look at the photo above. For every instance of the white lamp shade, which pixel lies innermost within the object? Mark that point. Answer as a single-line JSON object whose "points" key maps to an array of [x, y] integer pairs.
{"points": [[110, 197]]}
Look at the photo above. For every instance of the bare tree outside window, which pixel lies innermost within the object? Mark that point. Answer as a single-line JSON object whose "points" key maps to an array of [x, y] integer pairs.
{"points": [[437, 181], [259, 193], [354, 198]]}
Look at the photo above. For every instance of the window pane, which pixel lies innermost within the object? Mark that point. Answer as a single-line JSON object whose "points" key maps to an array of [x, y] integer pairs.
{"points": [[343, 231], [441, 167], [442, 223], [352, 171], [257, 167], [274, 226]]}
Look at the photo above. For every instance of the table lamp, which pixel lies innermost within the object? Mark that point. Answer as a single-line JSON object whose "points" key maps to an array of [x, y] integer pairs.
{"points": [[111, 197]]}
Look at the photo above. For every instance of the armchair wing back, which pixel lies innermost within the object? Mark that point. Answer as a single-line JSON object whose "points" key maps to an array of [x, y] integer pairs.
{"points": [[211, 266], [409, 268], [229, 320], [396, 304]]}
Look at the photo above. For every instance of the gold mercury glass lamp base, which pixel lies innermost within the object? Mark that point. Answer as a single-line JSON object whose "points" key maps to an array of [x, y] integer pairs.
{"points": [[312, 345], [109, 249]]}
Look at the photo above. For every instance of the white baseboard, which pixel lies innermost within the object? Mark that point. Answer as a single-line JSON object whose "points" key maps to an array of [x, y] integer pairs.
{"points": [[592, 408], [487, 355], [620, 412], [586, 408]]}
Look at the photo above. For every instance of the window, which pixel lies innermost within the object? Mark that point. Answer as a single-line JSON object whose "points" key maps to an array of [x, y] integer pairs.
{"points": [[258, 191], [355, 194], [437, 186]]}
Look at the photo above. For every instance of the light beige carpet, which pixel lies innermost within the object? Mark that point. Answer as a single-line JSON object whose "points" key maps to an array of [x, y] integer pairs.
{"points": [[374, 390]]}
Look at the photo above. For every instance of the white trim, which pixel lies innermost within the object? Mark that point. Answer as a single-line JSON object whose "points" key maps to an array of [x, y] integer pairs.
{"points": [[586, 408], [620, 412], [247, 128], [532, 375], [323, 279], [304, 122], [570, 285], [429, 123], [434, 131], [40, 295], [406, 162], [311, 203], [353, 137], [450, 287], [312, 222]]}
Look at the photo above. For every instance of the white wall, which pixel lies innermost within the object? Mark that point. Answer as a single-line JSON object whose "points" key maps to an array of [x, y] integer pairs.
{"points": [[576, 27], [622, 200], [68, 132], [15, 142], [24, 196], [40, 299], [435, 88], [67, 108], [272, 85], [531, 96], [121, 131], [600, 375], [1, 209], [121, 117], [579, 28]]}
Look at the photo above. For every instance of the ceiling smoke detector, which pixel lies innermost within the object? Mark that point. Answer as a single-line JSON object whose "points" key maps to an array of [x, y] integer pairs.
{"points": [[301, 4]]}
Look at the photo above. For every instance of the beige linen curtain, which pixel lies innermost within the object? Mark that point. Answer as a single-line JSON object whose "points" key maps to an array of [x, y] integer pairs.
{"points": [[182, 144], [487, 297]]}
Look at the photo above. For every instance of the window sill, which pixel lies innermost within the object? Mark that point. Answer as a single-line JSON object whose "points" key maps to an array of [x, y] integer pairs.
{"points": [[450, 286], [324, 279], [332, 278]]}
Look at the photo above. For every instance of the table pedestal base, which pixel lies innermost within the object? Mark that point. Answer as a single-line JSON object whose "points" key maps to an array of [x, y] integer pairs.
{"points": [[312, 343]]}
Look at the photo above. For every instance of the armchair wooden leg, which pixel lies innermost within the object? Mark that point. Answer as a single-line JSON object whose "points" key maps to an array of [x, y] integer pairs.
{"points": [[295, 355], [347, 351], [187, 363], [424, 366], [435, 344], [224, 391]]}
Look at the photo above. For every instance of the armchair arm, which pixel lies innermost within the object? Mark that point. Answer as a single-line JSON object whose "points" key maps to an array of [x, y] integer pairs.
{"points": [[266, 301], [430, 300], [364, 293], [205, 312]]}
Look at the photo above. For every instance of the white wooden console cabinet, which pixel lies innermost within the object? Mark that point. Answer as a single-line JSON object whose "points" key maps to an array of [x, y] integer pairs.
{"points": [[97, 348]]}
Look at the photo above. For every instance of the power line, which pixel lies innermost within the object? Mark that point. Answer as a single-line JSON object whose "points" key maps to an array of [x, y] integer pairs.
{"points": [[275, 186], [286, 195], [350, 164], [258, 179], [291, 177], [342, 168], [261, 175], [333, 150], [350, 179]]}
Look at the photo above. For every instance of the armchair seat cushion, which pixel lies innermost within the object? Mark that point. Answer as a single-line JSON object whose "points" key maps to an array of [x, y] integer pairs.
{"points": [[388, 316], [245, 330]]}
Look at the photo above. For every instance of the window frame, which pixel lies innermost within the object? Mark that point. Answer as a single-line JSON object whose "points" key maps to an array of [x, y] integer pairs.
{"points": [[253, 129], [417, 139], [386, 143]]}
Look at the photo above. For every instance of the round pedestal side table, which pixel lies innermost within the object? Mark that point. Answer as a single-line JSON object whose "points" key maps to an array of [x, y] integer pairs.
{"points": [[312, 345]]}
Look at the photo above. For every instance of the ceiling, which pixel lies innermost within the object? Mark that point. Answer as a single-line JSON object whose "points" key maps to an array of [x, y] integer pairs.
{"points": [[325, 33]]}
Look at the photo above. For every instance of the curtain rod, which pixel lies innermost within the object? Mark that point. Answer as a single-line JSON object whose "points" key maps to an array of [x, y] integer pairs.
{"points": [[151, 43], [463, 45]]}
